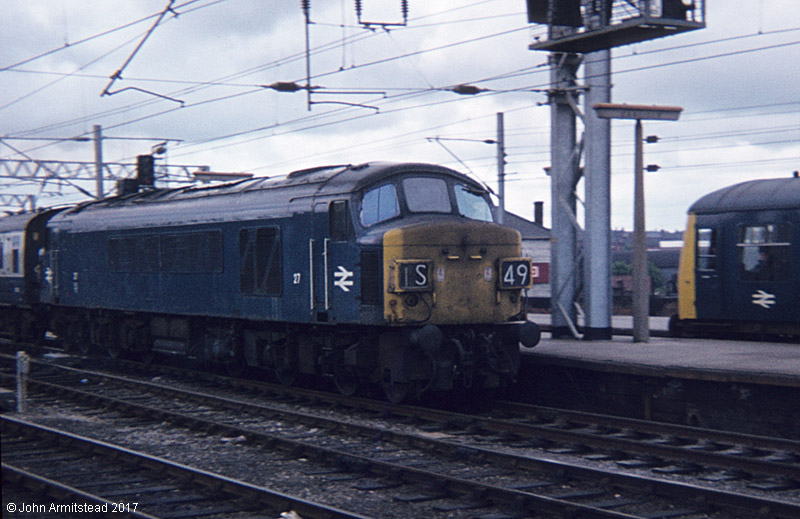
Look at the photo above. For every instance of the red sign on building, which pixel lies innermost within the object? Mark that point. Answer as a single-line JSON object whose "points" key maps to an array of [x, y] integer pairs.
{"points": [[540, 272]]}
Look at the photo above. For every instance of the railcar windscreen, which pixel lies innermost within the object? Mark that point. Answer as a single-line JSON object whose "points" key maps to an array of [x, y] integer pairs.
{"points": [[764, 252]]}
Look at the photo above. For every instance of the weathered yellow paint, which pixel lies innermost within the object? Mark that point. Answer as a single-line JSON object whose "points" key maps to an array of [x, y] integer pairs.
{"points": [[465, 258], [686, 281]]}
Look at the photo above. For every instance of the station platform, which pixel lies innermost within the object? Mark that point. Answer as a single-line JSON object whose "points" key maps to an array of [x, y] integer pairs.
{"points": [[764, 363], [746, 386]]}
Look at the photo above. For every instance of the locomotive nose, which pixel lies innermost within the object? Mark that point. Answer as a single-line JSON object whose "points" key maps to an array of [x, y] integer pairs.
{"points": [[443, 273]]}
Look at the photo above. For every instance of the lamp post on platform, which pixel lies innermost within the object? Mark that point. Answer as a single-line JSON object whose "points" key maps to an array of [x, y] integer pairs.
{"points": [[641, 297]]}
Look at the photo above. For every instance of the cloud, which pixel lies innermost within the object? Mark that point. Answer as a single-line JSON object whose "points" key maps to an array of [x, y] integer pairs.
{"points": [[214, 55]]}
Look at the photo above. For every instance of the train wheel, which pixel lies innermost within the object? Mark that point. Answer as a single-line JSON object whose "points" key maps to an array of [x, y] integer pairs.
{"points": [[394, 390], [284, 366], [346, 379], [237, 365], [285, 376], [147, 359], [31, 329], [235, 368], [77, 339], [99, 334], [124, 342], [85, 348], [116, 347], [113, 350], [81, 347]]}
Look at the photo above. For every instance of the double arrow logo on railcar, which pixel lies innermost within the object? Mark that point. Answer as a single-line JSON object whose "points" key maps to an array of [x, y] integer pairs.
{"points": [[343, 280], [764, 299]]}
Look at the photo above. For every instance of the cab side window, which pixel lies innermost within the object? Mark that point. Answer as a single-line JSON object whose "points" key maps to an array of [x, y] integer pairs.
{"points": [[379, 204], [764, 252], [339, 220]]}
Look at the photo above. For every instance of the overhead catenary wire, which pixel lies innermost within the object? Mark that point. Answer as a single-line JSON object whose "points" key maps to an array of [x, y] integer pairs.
{"points": [[295, 57], [541, 85], [225, 81], [390, 99], [439, 102], [196, 104], [87, 39], [220, 81]]}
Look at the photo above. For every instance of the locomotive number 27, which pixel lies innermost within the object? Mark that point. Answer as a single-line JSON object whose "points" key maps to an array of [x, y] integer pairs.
{"points": [[515, 273]]}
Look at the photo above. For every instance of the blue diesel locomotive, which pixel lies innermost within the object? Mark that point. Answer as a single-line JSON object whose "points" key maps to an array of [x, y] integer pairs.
{"points": [[388, 273], [740, 263]]}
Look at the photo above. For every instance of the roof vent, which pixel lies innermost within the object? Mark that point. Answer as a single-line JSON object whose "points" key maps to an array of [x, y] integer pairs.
{"points": [[304, 172]]}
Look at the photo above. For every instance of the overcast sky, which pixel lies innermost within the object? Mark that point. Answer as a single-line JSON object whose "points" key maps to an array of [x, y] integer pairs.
{"points": [[199, 79]]}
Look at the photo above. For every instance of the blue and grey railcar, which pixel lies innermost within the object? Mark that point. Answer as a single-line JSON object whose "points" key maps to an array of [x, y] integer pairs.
{"points": [[740, 263], [23, 242], [387, 273]]}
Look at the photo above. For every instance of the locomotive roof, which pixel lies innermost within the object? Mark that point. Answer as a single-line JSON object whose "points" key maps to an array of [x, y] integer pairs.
{"points": [[281, 196], [754, 195]]}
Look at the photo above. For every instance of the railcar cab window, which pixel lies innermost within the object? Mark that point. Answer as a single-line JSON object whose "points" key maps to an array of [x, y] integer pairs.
{"points": [[379, 204], [706, 249], [764, 252], [472, 204]]}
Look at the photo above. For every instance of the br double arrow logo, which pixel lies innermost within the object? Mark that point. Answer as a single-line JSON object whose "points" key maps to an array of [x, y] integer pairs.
{"points": [[343, 280], [763, 299]]}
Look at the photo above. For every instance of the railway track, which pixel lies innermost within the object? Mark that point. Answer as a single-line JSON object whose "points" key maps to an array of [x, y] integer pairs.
{"points": [[697, 450], [430, 456], [89, 476]]}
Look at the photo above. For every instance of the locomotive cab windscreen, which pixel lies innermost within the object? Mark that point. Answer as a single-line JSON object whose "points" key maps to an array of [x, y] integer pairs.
{"points": [[423, 195], [445, 260]]}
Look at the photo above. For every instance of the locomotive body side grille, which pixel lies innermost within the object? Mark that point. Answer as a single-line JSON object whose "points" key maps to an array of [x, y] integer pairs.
{"points": [[371, 277]]}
